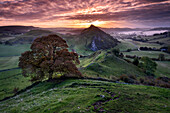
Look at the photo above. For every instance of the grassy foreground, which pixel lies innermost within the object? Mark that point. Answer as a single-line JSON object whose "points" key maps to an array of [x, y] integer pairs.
{"points": [[88, 96]]}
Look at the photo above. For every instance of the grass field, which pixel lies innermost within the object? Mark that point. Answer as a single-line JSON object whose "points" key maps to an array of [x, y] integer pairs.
{"points": [[8, 62], [74, 96], [163, 68], [125, 44], [150, 54], [106, 65], [145, 44], [10, 80], [84, 95], [15, 50], [166, 41]]}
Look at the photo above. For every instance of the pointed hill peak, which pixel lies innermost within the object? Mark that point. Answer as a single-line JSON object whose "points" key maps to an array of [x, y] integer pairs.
{"points": [[92, 26], [92, 29]]}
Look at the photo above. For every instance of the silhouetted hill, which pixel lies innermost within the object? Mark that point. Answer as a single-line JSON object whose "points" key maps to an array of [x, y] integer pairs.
{"points": [[91, 39], [16, 29], [28, 37]]}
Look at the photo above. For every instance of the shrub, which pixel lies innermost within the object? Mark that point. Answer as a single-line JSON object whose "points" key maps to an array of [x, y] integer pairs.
{"points": [[114, 78], [161, 57], [15, 90], [136, 61], [148, 66], [141, 80], [132, 77], [126, 79], [115, 52], [129, 50]]}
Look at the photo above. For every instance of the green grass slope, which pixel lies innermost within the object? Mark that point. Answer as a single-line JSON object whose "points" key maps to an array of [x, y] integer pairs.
{"points": [[163, 68], [79, 44], [12, 79], [89, 96], [28, 37], [105, 64], [8, 62], [150, 54], [14, 50]]}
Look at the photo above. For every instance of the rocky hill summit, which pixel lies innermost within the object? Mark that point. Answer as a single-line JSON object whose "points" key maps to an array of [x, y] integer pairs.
{"points": [[97, 38]]}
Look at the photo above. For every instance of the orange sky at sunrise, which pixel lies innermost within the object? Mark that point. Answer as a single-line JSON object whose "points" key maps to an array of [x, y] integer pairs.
{"points": [[82, 13]]}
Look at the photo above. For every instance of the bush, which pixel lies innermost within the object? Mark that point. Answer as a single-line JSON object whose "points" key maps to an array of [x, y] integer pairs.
{"points": [[161, 57], [115, 52], [126, 79], [129, 50], [15, 90], [136, 61], [132, 77], [114, 78], [148, 66], [161, 81], [141, 80]]}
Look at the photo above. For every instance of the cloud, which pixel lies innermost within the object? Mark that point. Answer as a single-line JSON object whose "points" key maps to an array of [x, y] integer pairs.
{"points": [[152, 12], [69, 10]]}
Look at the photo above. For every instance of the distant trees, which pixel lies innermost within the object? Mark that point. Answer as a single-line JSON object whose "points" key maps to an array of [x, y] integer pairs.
{"points": [[136, 61], [48, 57], [129, 50], [161, 57], [148, 66], [168, 49], [115, 52]]}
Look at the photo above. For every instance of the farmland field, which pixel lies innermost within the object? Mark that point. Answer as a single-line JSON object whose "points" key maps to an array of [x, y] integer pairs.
{"points": [[15, 50], [150, 54]]}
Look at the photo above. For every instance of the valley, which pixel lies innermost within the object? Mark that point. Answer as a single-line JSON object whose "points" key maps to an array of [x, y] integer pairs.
{"points": [[102, 56]]}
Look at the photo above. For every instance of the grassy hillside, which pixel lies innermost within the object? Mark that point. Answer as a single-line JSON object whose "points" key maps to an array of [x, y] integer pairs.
{"points": [[28, 37], [14, 50], [163, 68], [78, 44], [91, 39], [88, 96], [125, 44], [8, 62], [150, 54], [105, 64], [12, 79]]}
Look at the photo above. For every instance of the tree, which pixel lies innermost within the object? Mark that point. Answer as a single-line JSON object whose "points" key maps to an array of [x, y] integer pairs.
{"points": [[116, 52], [136, 61], [129, 50], [48, 57], [161, 57], [168, 49], [148, 66]]}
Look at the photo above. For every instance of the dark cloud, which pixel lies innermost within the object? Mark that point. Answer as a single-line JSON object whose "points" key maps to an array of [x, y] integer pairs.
{"points": [[151, 13], [152, 0], [142, 11]]}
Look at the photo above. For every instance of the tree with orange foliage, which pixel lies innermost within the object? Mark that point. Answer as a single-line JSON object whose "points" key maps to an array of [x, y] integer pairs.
{"points": [[48, 57]]}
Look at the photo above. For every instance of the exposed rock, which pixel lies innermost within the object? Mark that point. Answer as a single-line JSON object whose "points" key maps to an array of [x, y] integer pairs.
{"points": [[98, 39]]}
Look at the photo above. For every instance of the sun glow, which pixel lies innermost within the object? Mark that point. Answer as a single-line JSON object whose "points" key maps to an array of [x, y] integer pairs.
{"points": [[87, 24]]}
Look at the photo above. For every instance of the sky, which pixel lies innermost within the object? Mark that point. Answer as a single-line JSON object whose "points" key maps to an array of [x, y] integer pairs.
{"points": [[82, 13]]}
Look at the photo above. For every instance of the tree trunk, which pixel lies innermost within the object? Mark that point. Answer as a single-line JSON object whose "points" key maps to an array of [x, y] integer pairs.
{"points": [[50, 75]]}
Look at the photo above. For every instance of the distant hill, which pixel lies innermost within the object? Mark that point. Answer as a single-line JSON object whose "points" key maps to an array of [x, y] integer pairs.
{"points": [[98, 38], [91, 39], [160, 28], [28, 37], [16, 29]]}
